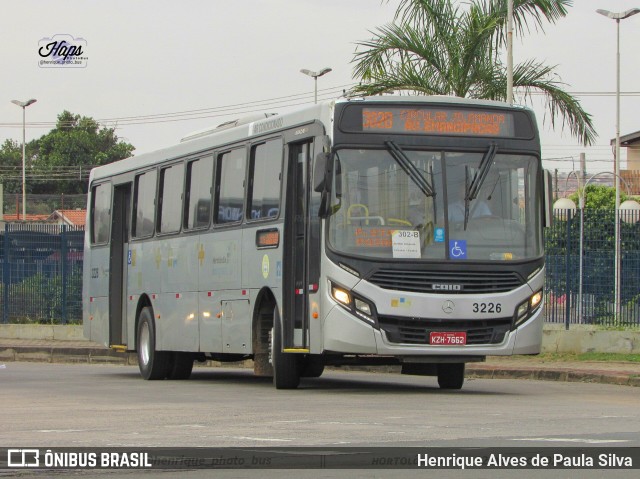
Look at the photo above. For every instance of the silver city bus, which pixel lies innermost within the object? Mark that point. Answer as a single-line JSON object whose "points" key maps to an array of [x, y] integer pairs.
{"points": [[372, 231]]}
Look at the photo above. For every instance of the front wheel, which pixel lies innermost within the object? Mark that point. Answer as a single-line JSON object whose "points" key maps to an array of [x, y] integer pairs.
{"points": [[286, 367], [451, 375], [153, 364]]}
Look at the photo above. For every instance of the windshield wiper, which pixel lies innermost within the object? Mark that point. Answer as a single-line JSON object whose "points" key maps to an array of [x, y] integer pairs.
{"points": [[410, 169], [472, 190]]}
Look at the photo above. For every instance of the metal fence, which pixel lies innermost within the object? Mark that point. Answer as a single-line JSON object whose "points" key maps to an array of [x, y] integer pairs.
{"points": [[580, 261], [41, 270]]}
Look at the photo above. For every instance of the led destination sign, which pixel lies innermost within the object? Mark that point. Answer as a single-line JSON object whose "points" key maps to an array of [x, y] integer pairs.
{"points": [[438, 121]]}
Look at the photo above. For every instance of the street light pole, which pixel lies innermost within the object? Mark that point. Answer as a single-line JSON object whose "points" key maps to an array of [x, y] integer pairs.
{"points": [[24, 105], [315, 76], [510, 52], [617, 17]]}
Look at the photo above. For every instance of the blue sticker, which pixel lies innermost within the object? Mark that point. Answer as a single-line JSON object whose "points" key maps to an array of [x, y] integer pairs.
{"points": [[458, 249], [438, 235], [129, 257], [279, 269]]}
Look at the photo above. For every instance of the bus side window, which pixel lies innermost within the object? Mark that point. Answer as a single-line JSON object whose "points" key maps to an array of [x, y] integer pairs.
{"points": [[265, 180], [230, 186], [101, 213], [144, 204], [197, 204], [170, 198]]}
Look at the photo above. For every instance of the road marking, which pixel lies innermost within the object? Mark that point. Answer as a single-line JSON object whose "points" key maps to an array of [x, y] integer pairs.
{"points": [[573, 439], [269, 439], [63, 430]]}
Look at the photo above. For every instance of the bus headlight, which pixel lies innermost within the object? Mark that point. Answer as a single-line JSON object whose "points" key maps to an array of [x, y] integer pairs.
{"points": [[363, 306], [356, 305], [535, 300], [524, 309], [340, 295]]}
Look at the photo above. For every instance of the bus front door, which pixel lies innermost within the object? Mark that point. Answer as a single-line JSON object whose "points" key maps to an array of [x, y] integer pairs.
{"points": [[120, 221], [295, 314]]}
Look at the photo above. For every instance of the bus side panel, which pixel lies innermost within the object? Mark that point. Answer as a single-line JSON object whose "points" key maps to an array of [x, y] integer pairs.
{"points": [[97, 327], [142, 278], [177, 327], [221, 276]]}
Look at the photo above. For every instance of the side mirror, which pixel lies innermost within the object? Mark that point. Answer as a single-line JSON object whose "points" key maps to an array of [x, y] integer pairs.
{"points": [[320, 172], [547, 202]]}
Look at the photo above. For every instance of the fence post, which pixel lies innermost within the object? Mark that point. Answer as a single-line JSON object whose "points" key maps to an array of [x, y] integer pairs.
{"points": [[63, 256], [6, 277], [567, 301]]}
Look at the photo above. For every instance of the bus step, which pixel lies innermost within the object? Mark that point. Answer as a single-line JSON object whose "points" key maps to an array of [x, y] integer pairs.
{"points": [[296, 350], [120, 348]]}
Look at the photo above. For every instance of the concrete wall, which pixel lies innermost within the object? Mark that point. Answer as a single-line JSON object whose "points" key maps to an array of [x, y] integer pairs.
{"points": [[579, 339]]}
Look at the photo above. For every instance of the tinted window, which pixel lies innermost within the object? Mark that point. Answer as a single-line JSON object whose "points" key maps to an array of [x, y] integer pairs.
{"points": [[101, 213], [266, 167], [144, 203], [169, 214], [197, 207], [230, 186]]}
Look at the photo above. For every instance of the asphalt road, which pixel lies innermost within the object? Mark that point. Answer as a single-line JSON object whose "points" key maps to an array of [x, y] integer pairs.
{"points": [[67, 405]]}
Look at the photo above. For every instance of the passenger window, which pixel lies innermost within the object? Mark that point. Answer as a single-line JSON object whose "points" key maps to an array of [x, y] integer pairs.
{"points": [[170, 205], [101, 213], [230, 186], [197, 205], [144, 204], [265, 174]]}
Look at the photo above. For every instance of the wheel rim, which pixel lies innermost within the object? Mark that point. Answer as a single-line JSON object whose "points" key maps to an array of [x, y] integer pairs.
{"points": [[145, 344]]}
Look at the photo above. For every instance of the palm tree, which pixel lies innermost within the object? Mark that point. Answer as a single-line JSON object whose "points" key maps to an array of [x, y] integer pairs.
{"points": [[438, 47]]}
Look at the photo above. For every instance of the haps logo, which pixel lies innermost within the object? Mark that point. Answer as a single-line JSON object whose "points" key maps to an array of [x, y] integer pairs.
{"points": [[447, 287], [23, 458]]}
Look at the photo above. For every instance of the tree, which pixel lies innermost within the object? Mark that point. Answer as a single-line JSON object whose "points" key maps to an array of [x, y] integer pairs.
{"points": [[598, 197], [11, 166], [77, 143], [441, 48]]}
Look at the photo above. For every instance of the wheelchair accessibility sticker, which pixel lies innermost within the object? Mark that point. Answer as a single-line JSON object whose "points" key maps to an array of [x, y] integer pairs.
{"points": [[458, 249]]}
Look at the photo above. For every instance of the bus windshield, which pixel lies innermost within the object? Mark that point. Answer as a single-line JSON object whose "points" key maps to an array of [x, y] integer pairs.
{"points": [[398, 203]]}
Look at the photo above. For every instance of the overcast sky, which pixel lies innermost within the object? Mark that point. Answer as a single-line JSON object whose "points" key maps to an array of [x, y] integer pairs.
{"points": [[147, 58]]}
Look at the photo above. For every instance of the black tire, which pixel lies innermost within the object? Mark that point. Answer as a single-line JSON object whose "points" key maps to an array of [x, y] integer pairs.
{"points": [[181, 366], [312, 366], [286, 367], [153, 364], [451, 375]]}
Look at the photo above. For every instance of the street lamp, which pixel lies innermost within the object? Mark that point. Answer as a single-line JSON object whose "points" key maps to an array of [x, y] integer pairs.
{"points": [[315, 76], [617, 17], [23, 105]]}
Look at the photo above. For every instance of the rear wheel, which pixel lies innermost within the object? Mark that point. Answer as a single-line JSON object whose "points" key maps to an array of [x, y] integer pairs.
{"points": [[286, 366], [451, 375], [153, 364]]}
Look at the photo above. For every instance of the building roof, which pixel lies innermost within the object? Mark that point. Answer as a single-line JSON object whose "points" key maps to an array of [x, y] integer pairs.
{"points": [[18, 217], [70, 217], [628, 140]]}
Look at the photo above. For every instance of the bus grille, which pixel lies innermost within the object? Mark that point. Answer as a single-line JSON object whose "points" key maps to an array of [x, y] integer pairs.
{"points": [[417, 330], [449, 282]]}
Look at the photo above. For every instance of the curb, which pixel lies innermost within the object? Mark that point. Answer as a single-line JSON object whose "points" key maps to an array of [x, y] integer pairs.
{"points": [[89, 355]]}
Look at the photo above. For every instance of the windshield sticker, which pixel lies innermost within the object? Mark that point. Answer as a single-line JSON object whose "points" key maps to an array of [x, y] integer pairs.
{"points": [[438, 235], [458, 249], [406, 244]]}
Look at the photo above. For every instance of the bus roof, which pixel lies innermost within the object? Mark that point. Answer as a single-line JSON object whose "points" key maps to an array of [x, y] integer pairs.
{"points": [[258, 125]]}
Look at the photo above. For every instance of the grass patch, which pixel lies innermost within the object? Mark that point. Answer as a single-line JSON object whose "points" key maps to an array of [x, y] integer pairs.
{"points": [[632, 358]]}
